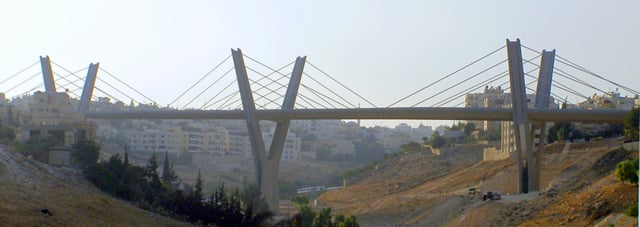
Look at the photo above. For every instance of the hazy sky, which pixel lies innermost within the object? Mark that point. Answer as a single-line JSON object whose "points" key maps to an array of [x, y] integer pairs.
{"points": [[382, 49]]}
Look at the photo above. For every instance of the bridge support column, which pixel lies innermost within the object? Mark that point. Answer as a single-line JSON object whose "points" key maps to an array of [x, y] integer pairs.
{"points": [[87, 90], [267, 165], [520, 119], [543, 97], [47, 74]]}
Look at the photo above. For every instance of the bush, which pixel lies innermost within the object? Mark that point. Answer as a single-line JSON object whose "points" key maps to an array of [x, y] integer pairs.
{"points": [[6, 134], [86, 153], [632, 210], [631, 124], [437, 141], [627, 171], [299, 200]]}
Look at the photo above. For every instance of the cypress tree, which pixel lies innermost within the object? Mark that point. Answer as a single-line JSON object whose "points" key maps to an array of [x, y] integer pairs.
{"points": [[126, 156]]}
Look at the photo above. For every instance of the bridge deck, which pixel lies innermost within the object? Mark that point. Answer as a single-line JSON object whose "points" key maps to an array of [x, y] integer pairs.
{"points": [[416, 113]]}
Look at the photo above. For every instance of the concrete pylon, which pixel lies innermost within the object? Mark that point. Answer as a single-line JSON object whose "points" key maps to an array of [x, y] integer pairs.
{"points": [[267, 165], [87, 90], [543, 97], [520, 119], [47, 74]]}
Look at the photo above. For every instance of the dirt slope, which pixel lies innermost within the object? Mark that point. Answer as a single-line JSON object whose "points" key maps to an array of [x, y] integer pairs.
{"points": [[27, 187], [568, 176]]}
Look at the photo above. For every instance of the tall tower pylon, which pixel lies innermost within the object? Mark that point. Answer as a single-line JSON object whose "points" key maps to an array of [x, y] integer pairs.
{"points": [[543, 97], [87, 90], [520, 119], [47, 74], [267, 165]]}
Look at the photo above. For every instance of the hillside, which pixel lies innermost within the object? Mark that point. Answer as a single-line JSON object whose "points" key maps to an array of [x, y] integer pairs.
{"points": [[28, 187], [575, 182]]}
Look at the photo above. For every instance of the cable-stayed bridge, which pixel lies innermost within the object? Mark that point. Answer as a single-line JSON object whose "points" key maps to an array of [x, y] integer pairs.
{"points": [[280, 95]]}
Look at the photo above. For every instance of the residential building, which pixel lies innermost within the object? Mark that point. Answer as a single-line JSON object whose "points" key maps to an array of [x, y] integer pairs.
{"points": [[495, 97], [167, 139], [52, 115], [611, 100], [292, 144]]}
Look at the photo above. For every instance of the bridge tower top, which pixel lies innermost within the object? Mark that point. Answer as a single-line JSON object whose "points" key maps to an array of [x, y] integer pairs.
{"points": [[47, 74]]}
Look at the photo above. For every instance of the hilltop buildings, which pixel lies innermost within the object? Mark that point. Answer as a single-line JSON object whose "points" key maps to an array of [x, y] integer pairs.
{"points": [[611, 100], [51, 115], [495, 97]]}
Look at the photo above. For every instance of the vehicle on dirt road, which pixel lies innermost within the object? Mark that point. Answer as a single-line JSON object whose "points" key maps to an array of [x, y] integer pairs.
{"points": [[491, 196]]}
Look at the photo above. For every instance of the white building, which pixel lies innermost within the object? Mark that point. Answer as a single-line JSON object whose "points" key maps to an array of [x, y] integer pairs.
{"points": [[167, 139], [611, 100], [495, 97], [292, 144]]}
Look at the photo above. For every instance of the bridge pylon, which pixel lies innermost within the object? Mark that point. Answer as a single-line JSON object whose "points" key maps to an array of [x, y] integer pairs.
{"points": [[543, 97], [520, 120], [47, 74], [528, 161], [87, 90], [267, 165]]}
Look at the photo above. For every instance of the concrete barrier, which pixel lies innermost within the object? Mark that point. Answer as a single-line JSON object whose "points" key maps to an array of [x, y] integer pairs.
{"points": [[632, 146]]}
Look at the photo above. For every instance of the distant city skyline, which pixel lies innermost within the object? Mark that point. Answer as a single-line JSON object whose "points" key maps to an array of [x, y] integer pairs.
{"points": [[382, 50]]}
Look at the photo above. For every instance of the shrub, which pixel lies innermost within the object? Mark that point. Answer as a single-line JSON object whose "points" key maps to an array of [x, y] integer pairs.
{"points": [[627, 171], [631, 124], [632, 210]]}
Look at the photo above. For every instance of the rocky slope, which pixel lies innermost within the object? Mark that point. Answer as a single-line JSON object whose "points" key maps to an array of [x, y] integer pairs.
{"points": [[35, 194], [578, 189]]}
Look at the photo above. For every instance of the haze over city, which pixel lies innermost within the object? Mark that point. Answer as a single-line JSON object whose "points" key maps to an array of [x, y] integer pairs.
{"points": [[381, 50], [257, 113]]}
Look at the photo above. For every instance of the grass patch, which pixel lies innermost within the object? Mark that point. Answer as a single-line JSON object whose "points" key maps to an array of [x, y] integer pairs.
{"points": [[632, 210]]}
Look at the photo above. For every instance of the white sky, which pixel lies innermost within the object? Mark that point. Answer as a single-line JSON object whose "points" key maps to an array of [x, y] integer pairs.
{"points": [[382, 49]]}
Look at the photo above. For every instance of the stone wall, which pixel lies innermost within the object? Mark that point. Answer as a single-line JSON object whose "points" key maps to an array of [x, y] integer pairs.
{"points": [[493, 154]]}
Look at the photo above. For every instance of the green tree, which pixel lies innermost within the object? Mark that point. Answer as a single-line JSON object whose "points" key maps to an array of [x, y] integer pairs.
{"points": [[168, 174], [627, 171], [86, 153], [153, 187], [322, 218], [299, 200], [305, 216], [35, 144], [126, 156], [436, 140], [351, 222], [256, 209], [369, 149], [194, 202], [559, 131], [631, 125], [469, 128], [198, 187], [632, 210], [11, 120], [7, 134]]}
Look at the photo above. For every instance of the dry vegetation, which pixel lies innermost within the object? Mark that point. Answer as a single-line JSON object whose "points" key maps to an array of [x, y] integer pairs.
{"points": [[579, 188], [27, 187]]}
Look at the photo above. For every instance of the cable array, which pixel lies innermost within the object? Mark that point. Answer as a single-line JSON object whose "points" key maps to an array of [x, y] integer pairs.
{"points": [[319, 89], [566, 70]]}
